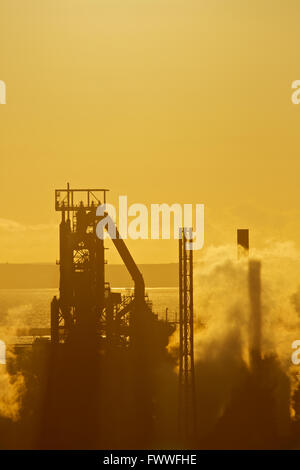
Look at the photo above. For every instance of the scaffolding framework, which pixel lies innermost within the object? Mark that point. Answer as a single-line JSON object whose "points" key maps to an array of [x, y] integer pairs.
{"points": [[187, 396], [82, 291]]}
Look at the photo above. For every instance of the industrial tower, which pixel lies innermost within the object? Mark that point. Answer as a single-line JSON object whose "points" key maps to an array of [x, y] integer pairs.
{"points": [[105, 346], [187, 396], [87, 311]]}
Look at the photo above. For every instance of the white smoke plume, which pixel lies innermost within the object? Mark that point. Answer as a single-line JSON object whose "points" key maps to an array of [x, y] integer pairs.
{"points": [[11, 389], [222, 299], [222, 314]]}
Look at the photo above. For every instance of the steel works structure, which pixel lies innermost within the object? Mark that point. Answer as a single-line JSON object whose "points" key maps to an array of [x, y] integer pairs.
{"points": [[187, 396], [87, 310]]}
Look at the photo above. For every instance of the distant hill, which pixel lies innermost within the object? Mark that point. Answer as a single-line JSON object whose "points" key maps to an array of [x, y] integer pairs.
{"points": [[29, 276]]}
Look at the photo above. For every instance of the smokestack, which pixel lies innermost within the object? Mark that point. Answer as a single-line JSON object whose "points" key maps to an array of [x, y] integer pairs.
{"points": [[254, 283], [242, 243]]}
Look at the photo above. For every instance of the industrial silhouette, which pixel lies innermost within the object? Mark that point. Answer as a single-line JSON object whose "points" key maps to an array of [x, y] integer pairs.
{"points": [[187, 392], [109, 376]]}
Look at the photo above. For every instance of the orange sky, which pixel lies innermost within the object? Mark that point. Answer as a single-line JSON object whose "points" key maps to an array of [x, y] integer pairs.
{"points": [[184, 101]]}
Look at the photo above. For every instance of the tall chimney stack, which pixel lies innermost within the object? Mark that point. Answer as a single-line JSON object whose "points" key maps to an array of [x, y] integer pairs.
{"points": [[242, 243], [254, 283]]}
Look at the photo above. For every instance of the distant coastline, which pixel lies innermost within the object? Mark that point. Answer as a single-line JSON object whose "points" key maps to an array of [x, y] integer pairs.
{"points": [[46, 275]]}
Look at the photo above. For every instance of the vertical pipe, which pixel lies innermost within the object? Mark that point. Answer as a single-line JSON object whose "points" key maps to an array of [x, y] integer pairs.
{"points": [[180, 394], [54, 321], [254, 282], [185, 313], [186, 326], [68, 199], [193, 391]]}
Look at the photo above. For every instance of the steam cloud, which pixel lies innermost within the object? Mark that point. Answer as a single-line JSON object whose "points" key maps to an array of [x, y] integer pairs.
{"points": [[12, 387]]}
